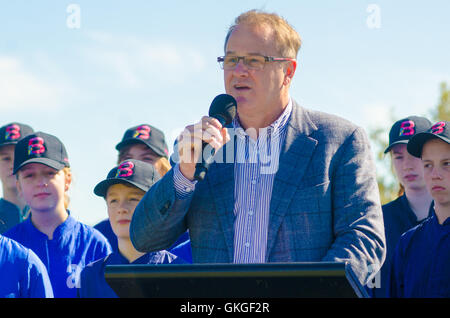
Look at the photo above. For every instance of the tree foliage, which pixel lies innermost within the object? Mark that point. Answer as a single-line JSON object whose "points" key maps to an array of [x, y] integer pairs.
{"points": [[442, 111]]}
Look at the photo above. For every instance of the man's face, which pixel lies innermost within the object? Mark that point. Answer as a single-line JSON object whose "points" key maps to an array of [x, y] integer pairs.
{"points": [[436, 163], [6, 166], [256, 91]]}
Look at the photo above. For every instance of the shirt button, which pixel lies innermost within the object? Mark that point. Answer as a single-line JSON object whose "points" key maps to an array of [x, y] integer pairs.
{"points": [[250, 212], [253, 182], [247, 244], [188, 189]]}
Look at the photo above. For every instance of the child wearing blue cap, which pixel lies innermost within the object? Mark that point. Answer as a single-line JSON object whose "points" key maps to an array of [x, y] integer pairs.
{"points": [[123, 188], [421, 264], [62, 243], [22, 274], [12, 207]]}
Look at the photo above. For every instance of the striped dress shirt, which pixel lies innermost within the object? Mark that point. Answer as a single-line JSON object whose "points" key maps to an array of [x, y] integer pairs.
{"points": [[256, 163]]}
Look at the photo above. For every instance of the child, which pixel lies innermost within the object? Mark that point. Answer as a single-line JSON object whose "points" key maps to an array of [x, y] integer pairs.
{"points": [[122, 190], [12, 207], [146, 143], [421, 264], [22, 274], [414, 203], [62, 243]]}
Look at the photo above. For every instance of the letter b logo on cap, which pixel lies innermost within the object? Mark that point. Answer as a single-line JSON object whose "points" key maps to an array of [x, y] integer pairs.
{"points": [[142, 132], [12, 132], [36, 146], [438, 128], [125, 169], [407, 128]]}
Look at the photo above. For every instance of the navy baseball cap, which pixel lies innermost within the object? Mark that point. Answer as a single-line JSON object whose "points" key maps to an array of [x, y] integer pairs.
{"points": [[12, 133], [133, 172], [41, 148], [148, 135], [404, 129], [439, 130]]}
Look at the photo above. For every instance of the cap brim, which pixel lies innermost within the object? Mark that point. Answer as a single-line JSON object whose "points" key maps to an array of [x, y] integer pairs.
{"points": [[7, 143], [127, 142], [45, 161], [102, 188], [405, 141], [416, 143]]}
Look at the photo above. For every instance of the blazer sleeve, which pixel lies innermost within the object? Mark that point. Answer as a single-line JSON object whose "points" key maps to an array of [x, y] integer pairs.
{"points": [[357, 215], [159, 218]]}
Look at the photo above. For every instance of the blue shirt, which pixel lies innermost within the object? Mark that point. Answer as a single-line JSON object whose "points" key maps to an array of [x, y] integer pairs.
{"points": [[181, 248], [256, 164], [421, 263], [22, 274], [74, 245], [398, 218], [105, 228], [10, 215], [93, 282]]}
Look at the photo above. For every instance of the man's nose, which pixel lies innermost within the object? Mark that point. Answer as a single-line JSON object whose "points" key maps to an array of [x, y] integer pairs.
{"points": [[240, 68]]}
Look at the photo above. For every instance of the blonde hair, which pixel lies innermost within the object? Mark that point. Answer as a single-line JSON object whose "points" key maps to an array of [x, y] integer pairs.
{"points": [[401, 188], [68, 174], [287, 40], [162, 165]]}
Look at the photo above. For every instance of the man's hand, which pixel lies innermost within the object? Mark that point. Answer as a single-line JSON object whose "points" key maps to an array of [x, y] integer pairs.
{"points": [[208, 130]]}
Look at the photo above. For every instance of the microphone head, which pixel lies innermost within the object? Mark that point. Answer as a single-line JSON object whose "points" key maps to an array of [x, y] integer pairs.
{"points": [[223, 108]]}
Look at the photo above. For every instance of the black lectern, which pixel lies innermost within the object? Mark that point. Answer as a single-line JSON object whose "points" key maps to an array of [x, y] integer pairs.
{"points": [[268, 280]]}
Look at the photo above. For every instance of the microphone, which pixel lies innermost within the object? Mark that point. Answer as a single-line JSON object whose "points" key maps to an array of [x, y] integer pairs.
{"points": [[223, 108]]}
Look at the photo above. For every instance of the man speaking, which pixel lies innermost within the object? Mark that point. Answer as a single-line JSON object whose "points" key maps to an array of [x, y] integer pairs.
{"points": [[301, 186]]}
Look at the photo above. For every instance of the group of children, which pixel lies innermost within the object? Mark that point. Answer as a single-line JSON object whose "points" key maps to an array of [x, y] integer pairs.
{"points": [[417, 223], [45, 252]]}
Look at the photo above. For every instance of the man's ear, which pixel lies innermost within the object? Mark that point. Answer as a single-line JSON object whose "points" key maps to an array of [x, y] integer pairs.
{"points": [[290, 68]]}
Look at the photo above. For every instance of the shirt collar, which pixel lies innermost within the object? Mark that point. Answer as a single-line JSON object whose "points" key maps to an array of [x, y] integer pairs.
{"points": [[410, 213], [60, 230], [116, 258], [444, 226], [275, 127]]}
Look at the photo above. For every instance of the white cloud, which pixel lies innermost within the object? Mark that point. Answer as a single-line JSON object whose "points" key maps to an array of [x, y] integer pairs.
{"points": [[22, 89]]}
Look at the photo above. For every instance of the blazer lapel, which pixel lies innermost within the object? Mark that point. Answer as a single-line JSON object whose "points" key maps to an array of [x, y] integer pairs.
{"points": [[221, 179], [294, 158]]}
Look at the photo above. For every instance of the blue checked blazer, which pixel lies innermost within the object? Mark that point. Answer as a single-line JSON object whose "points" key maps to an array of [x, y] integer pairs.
{"points": [[325, 202]]}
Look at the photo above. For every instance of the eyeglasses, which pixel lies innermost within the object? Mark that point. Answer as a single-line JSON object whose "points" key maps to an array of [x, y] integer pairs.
{"points": [[253, 62]]}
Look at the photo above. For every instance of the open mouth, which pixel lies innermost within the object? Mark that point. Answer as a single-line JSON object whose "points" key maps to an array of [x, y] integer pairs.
{"points": [[241, 87]]}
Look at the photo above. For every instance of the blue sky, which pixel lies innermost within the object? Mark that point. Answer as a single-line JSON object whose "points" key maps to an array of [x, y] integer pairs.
{"points": [[134, 62]]}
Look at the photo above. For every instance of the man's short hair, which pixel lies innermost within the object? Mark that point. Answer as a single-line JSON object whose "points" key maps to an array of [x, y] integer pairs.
{"points": [[287, 40]]}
